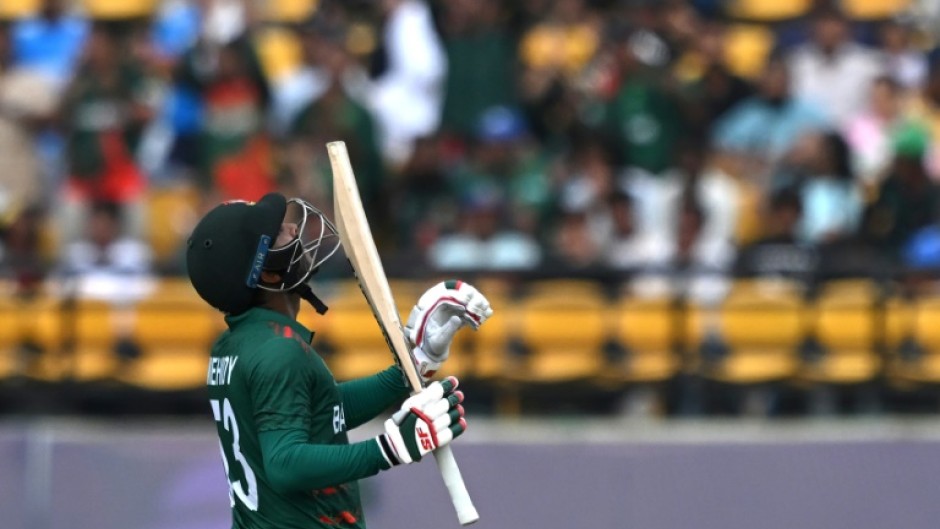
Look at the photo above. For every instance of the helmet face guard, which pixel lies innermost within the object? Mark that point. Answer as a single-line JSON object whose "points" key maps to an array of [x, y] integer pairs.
{"points": [[316, 240]]}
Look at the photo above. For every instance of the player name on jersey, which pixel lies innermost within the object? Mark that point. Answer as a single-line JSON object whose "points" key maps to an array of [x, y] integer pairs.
{"points": [[220, 370]]}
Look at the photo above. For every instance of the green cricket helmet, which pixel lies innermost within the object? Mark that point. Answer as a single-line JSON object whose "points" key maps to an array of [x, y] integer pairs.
{"points": [[235, 242]]}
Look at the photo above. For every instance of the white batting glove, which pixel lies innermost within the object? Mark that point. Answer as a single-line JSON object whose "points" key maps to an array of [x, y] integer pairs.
{"points": [[426, 421], [441, 311]]}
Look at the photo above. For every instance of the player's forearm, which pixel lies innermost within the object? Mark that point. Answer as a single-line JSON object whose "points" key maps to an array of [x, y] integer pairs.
{"points": [[365, 398], [291, 464]]}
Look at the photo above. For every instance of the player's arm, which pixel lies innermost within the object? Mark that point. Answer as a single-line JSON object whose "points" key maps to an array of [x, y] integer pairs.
{"points": [[365, 398], [293, 464], [426, 421]]}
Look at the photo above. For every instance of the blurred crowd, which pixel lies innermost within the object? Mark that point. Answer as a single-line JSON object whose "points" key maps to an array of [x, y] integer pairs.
{"points": [[670, 141]]}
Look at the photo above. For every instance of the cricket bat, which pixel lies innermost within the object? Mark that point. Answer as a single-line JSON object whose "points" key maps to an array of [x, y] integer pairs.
{"points": [[360, 249]]}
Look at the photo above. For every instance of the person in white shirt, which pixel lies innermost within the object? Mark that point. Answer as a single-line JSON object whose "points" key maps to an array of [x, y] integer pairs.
{"points": [[408, 97], [832, 70]]}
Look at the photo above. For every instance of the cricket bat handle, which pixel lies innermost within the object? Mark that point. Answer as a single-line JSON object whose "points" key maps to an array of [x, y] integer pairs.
{"points": [[466, 512]]}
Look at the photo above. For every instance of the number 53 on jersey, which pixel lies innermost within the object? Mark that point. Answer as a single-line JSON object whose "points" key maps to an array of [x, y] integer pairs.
{"points": [[241, 479]]}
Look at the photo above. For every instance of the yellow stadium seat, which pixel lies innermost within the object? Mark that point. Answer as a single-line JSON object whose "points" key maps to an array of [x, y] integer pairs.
{"points": [[41, 321], [11, 9], [768, 10], [175, 330], [279, 51], [844, 323], [9, 338], [563, 326], [171, 214], [873, 9], [360, 347], [119, 9], [94, 327], [646, 328], [924, 328], [747, 47], [291, 11], [491, 342], [762, 325]]}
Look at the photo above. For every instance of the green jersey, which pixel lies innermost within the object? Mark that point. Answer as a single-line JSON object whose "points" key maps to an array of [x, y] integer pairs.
{"points": [[282, 421]]}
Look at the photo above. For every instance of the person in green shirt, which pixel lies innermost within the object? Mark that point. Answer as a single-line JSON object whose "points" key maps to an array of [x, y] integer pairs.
{"points": [[282, 418]]}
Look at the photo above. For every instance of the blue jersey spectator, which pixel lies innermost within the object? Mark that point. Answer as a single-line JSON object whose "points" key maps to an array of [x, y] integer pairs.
{"points": [[50, 41], [769, 123]]}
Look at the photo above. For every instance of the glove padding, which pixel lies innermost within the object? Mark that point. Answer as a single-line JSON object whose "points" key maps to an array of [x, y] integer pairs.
{"points": [[426, 421], [436, 318]]}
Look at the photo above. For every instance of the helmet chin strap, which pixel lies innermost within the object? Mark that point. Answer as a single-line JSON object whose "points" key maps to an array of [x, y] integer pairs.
{"points": [[305, 292]]}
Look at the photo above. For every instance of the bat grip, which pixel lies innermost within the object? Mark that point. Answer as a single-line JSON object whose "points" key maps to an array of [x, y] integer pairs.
{"points": [[466, 512]]}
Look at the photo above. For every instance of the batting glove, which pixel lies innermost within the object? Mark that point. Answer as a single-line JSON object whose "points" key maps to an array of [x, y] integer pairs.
{"points": [[441, 311], [426, 421]]}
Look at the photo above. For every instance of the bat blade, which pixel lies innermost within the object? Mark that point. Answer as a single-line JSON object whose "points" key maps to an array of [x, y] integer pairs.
{"points": [[356, 237]]}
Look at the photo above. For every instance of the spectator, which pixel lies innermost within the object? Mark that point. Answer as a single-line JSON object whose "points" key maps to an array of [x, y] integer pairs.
{"points": [[588, 184], [696, 268], [907, 199], [767, 125], [335, 113], [421, 202], [832, 70], [413, 77], [107, 264], [21, 259], [109, 267], [832, 201], [924, 108], [480, 243], [553, 53], [27, 99], [716, 89], [779, 253], [920, 262], [103, 115], [906, 65], [233, 147], [574, 246], [642, 118], [627, 250], [50, 42], [869, 133], [480, 58], [505, 162]]}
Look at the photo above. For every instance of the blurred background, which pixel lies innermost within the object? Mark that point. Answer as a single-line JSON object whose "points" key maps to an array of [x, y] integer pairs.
{"points": [[685, 212]]}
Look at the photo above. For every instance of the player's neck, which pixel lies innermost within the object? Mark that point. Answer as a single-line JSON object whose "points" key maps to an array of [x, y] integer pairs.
{"points": [[283, 302]]}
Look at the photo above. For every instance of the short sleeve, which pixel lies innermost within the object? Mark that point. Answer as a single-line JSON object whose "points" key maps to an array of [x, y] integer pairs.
{"points": [[281, 385]]}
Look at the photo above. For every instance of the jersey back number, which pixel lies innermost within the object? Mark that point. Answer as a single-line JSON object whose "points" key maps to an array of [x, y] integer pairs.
{"points": [[223, 413]]}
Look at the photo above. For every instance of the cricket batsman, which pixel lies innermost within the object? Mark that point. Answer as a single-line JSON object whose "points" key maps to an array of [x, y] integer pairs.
{"points": [[281, 416]]}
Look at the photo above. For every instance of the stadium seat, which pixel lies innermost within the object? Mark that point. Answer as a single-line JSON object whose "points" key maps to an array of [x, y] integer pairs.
{"points": [[9, 338], [843, 324], [279, 52], [175, 331], [118, 9], [40, 322], [491, 342], [768, 10], [923, 330], [873, 9], [352, 332], [17, 8], [92, 328], [289, 11], [759, 326], [646, 329], [747, 47], [171, 214], [562, 325]]}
